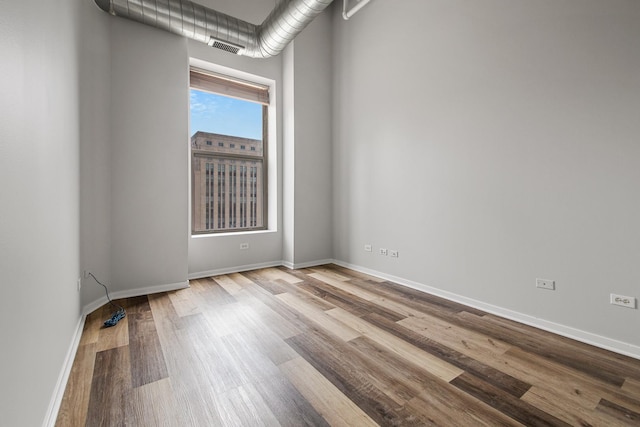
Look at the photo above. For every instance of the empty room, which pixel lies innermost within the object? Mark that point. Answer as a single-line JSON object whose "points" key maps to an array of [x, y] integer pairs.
{"points": [[318, 212]]}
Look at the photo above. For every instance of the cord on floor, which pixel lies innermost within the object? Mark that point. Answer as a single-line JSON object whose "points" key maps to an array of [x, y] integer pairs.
{"points": [[117, 315]]}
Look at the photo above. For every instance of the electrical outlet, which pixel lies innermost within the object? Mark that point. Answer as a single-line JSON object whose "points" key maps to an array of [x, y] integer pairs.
{"points": [[623, 301], [85, 274], [367, 248], [546, 284], [79, 283], [383, 251], [244, 246], [393, 253]]}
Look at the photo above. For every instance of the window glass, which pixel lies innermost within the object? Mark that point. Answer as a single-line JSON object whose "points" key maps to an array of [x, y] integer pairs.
{"points": [[228, 183]]}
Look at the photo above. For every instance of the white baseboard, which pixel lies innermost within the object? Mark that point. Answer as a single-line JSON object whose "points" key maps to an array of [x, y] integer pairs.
{"points": [[249, 267], [308, 264], [63, 378], [230, 270], [616, 346], [93, 306]]}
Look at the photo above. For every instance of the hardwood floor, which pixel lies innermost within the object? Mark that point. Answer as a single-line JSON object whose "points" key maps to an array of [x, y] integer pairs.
{"points": [[330, 346]]}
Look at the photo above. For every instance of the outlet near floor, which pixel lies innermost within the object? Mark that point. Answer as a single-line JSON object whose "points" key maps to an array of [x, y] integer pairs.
{"points": [[623, 301]]}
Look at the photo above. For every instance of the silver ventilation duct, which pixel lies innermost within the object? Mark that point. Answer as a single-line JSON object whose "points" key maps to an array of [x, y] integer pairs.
{"points": [[219, 30]]}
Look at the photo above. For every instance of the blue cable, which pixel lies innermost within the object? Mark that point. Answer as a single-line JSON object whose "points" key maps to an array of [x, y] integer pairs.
{"points": [[118, 315]]}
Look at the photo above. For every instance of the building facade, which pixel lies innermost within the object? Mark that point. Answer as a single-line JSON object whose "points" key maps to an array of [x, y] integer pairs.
{"points": [[227, 183]]}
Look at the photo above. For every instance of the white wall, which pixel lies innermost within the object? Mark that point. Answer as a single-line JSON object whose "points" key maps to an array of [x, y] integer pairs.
{"points": [[94, 82], [492, 143], [303, 158], [39, 199], [149, 154], [150, 242], [210, 254], [135, 215], [308, 174]]}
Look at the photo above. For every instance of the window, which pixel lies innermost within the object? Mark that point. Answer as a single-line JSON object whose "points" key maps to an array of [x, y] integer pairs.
{"points": [[228, 184]]}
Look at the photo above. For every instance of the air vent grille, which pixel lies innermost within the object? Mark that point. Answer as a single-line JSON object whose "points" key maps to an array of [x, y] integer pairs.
{"points": [[226, 47]]}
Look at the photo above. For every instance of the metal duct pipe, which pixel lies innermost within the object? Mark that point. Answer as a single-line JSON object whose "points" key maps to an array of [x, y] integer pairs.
{"points": [[219, 30], [346, 14]]}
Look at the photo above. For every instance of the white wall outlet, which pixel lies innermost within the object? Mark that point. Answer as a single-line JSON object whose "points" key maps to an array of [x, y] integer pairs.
{"points": [[244, 246], [79, 283], [85, 274], [623, 301], [383, 251], [393, 253], [367, 248], [546, 284]]}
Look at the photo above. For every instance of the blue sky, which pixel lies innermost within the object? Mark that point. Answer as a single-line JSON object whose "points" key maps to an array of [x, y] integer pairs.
{"points": [[223, 115]]}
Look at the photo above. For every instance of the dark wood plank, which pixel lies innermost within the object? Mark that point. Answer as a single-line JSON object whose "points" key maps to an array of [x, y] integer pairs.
{"points": [[416, 298], [606, 366], [400, 379], [75, 403], [492, 376], [345, 300], [620, 413], [444, 405], [332, 359], [110, 384], [505, 402], [147, 358]]}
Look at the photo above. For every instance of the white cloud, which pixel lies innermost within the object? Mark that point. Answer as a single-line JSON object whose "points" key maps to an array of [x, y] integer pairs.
{"points": [[202, 103]]}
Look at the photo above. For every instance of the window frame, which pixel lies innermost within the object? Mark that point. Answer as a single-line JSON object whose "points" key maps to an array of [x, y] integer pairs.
{"points": [[264, 159]]}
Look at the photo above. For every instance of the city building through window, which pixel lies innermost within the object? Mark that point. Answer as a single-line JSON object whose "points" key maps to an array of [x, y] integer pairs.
{"points": [[228, 184]]}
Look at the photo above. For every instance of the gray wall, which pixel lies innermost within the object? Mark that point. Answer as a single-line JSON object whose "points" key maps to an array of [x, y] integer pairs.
{"points": [[135, 217], [308, 174], [213, 254], [492, 143], [302, 230], [94, 80], [149, 155], [42, 102]]}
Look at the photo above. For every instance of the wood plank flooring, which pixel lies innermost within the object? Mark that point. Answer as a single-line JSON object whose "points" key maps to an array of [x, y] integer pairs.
{"points": [[330, 346]]}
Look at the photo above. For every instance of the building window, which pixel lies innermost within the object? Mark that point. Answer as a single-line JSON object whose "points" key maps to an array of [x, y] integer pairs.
{"points": [[228, 190]]}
